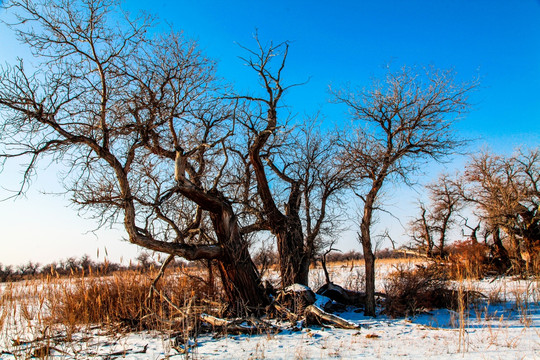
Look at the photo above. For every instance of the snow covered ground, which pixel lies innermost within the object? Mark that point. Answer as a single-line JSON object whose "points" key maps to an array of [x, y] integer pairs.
{"points": [[504, 326]]}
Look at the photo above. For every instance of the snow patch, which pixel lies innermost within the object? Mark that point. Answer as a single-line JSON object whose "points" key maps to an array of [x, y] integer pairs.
{"points": [[322, 301]]}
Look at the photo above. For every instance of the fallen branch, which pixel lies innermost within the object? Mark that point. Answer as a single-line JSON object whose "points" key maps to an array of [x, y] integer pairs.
{"points": [[314, 314], [284, 312], [215, 321], [129, 351], [239, 326]]}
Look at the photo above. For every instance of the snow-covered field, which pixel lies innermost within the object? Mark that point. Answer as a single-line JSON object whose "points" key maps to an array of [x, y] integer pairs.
{"points": [[504, 326]]}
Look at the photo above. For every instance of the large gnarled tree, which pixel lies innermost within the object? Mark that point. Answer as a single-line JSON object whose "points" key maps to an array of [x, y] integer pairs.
{"points": [[138, 122]]}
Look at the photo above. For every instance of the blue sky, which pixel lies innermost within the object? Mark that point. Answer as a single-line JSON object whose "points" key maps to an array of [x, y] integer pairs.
{"points": [[346, 42], [352, 41]]}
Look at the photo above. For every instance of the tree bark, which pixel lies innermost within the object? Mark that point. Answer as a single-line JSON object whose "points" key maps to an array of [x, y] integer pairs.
{"points": [[239, 276], [442, 238], [501, 254], [369, 256], [427, 235], [531, 238], [293, 262], [369, 259]]}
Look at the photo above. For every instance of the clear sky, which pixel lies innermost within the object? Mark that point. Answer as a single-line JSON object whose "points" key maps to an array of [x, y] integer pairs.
{"points": [[497, 41]]}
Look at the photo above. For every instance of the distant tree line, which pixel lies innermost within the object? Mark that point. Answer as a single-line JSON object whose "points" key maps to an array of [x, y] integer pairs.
{"points": [[78, 266], [144, 262], [268, 257]]}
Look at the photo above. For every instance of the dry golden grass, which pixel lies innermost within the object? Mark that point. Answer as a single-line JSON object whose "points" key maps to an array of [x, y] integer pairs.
{"points": [[126, 298], [122, 299], [469, 259], [361, 262], [99, 300], [51, 313]]}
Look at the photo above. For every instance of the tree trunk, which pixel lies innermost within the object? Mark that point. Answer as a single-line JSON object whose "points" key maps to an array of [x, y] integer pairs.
{"points": [[530, 236], [365, 234], [369, 257], [239, 276], [531, 243], [427, 235], [501, 254], [442, 238], [293, 261], [514, 251], [530, 248], [294, 267]]}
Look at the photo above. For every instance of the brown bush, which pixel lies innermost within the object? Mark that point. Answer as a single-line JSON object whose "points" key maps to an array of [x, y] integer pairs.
{"points": [[535, 261], [409, 292], [468, 259]]}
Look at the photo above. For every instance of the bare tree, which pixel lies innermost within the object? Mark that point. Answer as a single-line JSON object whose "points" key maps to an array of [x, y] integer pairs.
{"points": [[401, 122], [6, 273], [473, 235], [294, 168], [140, 126], [506, 191], [421, 233], [445, 201], [438, 216], [30, 268]]}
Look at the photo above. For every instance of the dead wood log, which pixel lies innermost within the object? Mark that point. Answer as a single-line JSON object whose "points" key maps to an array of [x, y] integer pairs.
{"points": [[315, 315], [215, 321], [239, 326]]}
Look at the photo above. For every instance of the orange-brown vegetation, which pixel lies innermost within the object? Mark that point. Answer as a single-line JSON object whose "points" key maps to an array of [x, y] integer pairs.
{"points": [[468, 259], [125, 298]]}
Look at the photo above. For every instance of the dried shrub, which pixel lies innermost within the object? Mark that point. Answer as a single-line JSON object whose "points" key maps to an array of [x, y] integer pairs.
{"points": [[533, 265], [468, 259], [412, 291]]}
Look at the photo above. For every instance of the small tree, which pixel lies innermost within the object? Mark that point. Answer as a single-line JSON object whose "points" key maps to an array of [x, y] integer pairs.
{"points": [[86, 264], [30, 268], [445, 201], [6, 273], [421, 233], [399, 124]]}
